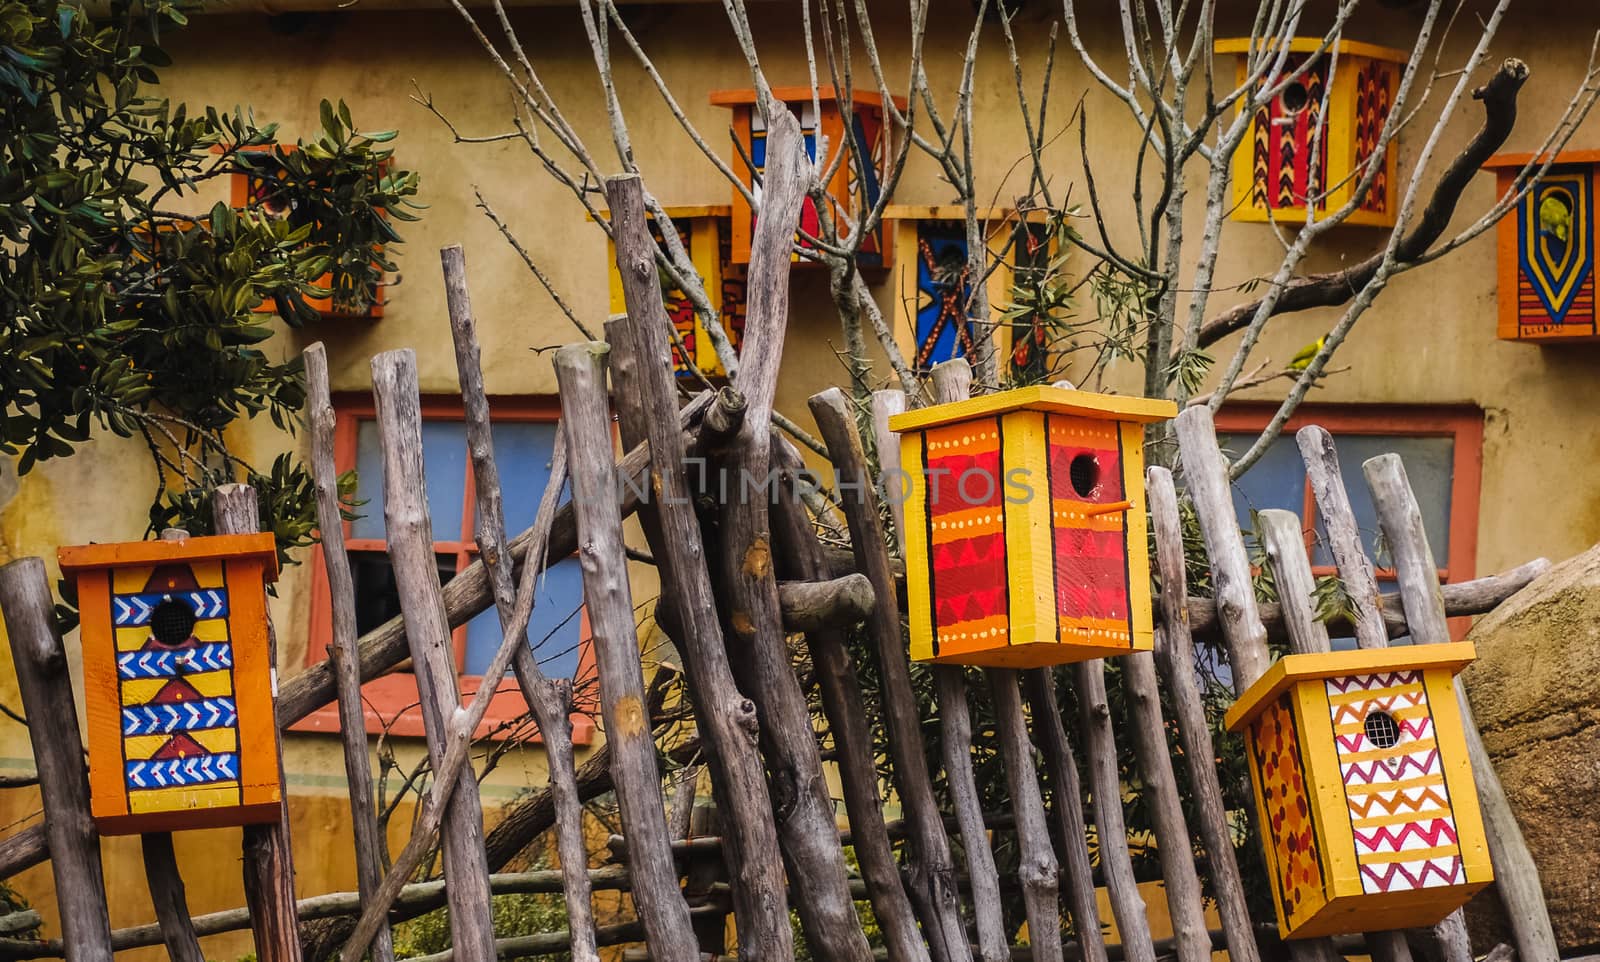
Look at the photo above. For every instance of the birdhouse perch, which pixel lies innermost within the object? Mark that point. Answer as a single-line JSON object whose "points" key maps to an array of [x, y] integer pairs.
{"points": [[178, 681], [1025, 527], [1368, 808]]}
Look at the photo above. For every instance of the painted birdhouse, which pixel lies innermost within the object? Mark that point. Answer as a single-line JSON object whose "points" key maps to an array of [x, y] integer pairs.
{"points": [[824, 131], [933, 289], [1368, 810], [178, 681], [254, 190], [1546, 250], [1025, 527], [1283, 164], [705, 233]]}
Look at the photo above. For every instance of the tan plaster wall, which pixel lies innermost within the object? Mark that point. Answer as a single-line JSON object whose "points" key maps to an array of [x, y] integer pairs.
{"points": [[1429, 340]]}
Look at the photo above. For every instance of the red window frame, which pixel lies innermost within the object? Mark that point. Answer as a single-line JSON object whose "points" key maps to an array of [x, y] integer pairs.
{"points": [[389, 702], [1462, 424]]}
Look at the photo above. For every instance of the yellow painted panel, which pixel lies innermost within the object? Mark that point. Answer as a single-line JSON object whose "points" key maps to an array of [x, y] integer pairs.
{"points": [[206, 629], [1339, 136], [1456, 765], [1330, 809], [138, 691], [1030, 556], [138, 747], [1137, 537], [1103, 407], [128, 581], [918, 602], [1409, 855], [219, 795]]}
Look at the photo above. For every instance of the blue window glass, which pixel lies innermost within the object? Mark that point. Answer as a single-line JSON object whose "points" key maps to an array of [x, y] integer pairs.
{"points": [[1277, 480], [444, 463]]}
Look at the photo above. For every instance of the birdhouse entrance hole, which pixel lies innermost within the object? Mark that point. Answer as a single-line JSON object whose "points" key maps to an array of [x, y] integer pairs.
{"points": [[1295, 98], [172, 622], [1381, 729], [1085, 475]]}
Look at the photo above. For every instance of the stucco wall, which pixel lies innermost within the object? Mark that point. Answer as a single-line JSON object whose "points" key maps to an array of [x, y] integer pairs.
{"points": [[1430, 340]]}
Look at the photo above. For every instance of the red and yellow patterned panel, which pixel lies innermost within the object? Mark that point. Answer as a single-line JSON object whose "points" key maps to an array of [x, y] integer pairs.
{"points": [[1372, 112], [966, 534], [1088, 502], [1286, 818], [1394, 783], [1283, 170]]}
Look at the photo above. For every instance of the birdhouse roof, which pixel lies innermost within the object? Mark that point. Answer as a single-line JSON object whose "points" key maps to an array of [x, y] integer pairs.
{"points": [[1346, 48], [261, 547], [1292, 669], [1524, 159], [1100, 407], [861, 96]]}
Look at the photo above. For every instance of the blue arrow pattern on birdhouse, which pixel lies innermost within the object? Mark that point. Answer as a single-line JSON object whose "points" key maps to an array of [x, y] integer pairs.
{"points": [[179, 717], [169, 664], [131, 611], [196, 770]]}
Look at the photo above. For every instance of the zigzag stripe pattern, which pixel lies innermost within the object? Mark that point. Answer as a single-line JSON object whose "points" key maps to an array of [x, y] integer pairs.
{"points": [[196, 770], [1259, 159], [170, 664], [179, 717], [131, 611], [1397, 782]]}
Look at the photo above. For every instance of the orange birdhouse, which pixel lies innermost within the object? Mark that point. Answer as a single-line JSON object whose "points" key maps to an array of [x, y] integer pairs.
{"points": [[824, 133], [1025, 527], [178, 682], [1369, 813], [1284, 164], [1547, 248]]}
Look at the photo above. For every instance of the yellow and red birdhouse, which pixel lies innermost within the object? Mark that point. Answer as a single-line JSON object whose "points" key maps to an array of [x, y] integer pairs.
{"points": [[178, 681], [1025, 527], [1284, 166], [706, 234], [825, 122], [1546, 249], [1368, 808]]}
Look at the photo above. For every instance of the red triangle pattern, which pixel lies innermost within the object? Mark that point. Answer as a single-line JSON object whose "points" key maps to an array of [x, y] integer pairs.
{"points": [[969, 580]]}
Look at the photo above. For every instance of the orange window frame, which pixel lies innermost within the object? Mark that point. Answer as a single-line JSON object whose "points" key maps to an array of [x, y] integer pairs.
{"points": [[1464, 425], [389, 702]]}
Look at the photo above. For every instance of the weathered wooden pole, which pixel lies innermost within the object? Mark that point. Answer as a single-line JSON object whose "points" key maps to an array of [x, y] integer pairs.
{"points": [[370, 844], [46, 687], [550, 705], [585, 415], [1176, 659], [409, 531], [1516, 875], [268, 856], [931, 870], [726, 717]]}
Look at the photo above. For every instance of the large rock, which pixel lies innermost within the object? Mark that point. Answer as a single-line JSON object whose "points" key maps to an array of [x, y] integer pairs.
{"points": [[1535, 689]]}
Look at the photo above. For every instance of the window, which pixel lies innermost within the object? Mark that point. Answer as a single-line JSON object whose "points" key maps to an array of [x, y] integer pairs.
{"points": [[1442, 449], [524, 433]]}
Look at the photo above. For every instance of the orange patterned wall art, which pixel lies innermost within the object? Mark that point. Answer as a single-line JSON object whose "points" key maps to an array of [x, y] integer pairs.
{"points": [[178, 683], [1025, 527], [1369, 812]]}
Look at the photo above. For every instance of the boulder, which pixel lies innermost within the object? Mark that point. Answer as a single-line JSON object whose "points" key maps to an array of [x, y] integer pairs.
{"points": [[1535, 689]]}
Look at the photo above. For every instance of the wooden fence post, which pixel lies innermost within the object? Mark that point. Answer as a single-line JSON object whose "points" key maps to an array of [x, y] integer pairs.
{"points": [[41, 664], [268, 859], [1516, 875], [370, 844], [1175, 657], [410, 536], [585, 414]]}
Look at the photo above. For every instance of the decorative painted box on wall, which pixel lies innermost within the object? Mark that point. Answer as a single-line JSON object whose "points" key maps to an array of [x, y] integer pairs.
{"points": [[1546, 248], [823, 134], [1275, 168], [705, 234], [932, 287], [253, 190], [1025, 527], [178, 682], [1368, 809]]}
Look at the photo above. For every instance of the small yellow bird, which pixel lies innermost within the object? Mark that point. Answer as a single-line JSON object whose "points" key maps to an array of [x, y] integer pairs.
{"points": [[1302, 358], [1555, 218]]}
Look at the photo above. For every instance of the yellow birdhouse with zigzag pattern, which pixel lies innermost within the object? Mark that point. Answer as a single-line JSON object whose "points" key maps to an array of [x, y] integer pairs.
{"points": [[1025, 527], [1284, 165], [1368, 808], [177, 682]]}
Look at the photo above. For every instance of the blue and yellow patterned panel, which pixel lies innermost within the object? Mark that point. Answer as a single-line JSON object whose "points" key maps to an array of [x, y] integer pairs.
{"points": [[1555, 249], [942, 328], [179, 719]]}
